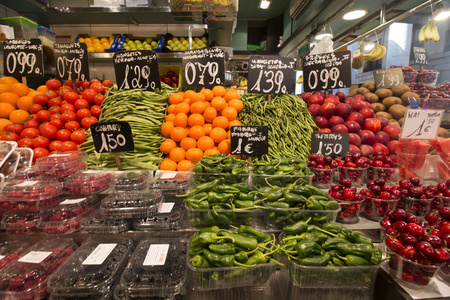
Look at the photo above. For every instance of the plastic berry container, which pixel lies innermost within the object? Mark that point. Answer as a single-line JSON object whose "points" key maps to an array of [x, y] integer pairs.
{"points": [[29, 195], [87, 182], [376, 209], [21, 222], [427, 77], [10, 165], [156, 270], [26, 158], [6, 149], [25, 174], [92, 270], [96, 223], [134, 204], [358, 176], [350, 210], [409, 76], [11, 251], [172, 183], [60, 165], [132, 180], [67, 216], [440, 201], [322, 178], [387, 174], [26, 278], [418, 207], [169, 217]]}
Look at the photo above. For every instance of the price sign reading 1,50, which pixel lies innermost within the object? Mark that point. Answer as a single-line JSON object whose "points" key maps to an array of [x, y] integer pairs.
{"points": [[273, 80], [210, 68], [328, 149], [329, 79], [329, 143], [112, 137]]}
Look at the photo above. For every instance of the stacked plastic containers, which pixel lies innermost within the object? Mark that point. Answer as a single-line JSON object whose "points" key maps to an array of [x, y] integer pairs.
{"points": [[10, 251], [59, 166]]}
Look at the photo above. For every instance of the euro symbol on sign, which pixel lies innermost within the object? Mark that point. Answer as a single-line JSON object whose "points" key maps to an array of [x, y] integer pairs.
{"points": [[248, 148]]}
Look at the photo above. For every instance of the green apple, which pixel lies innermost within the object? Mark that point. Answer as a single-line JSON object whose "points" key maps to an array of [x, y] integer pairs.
{"points": [[169, 42], [128, 48], [196, 39], [133, 47], [176, 49], [204, 40], [182, 39], [127, 40], [137, 42], [149, 40], [155, 44], [183, 48], [178, 43], [185, 42], [175, 39], [148, 47], [130, 43]]}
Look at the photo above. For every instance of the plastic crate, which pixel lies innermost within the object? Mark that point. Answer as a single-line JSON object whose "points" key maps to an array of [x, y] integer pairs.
{"points": [[163, 69], [169, 217], [10, 165], [199, 218], [376, 209], [23, 27], [95, 223], [172, 183], [6, 149], [112, 47], [47, 36], [11, 251], [60, 165]]}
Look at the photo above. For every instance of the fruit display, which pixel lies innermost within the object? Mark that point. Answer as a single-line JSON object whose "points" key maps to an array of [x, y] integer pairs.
{"points": [[355, 168], [95, 44], [148, 43], [182, 44], [429, 32], [435, 92], [96, 223], [413, 76], [10, 251], [132, 180], [380, 199], [171, 78], [442, 147], [172, 183], [323, 169], [226, 169], [21, 222], [411, 157], [87, 182], [350, 201], [60, 165]]}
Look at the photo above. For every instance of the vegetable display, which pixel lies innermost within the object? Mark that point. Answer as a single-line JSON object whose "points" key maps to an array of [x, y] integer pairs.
{"points": [[281, 171], [289, 122], [227, 169]]}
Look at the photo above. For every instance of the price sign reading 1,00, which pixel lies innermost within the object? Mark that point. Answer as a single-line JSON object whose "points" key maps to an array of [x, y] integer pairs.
{"points": [[73, 65], [273, 79], [328, 149], [191, 69], [328, 78], [24, 61]]}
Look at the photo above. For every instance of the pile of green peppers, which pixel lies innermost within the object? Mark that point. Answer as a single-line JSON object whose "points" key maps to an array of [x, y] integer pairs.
{"points": [[281, 172], [294, 202], [246, 248], [228, 169]]}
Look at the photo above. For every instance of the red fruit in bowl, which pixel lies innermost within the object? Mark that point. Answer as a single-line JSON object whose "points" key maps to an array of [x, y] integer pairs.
{"points": [[444, 212], [357, 117], [367, 137], [354, 139], [331, 99], [339, 128], [367, 112], [314, 109], [393, 131], [316, 99], [321, 122], [335, 120], [327, 110], [343, 110], [352, 126], [372, 124]]}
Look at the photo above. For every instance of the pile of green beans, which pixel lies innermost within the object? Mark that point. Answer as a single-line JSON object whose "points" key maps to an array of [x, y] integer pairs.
{"points": [[289, 121], [145, 111]]}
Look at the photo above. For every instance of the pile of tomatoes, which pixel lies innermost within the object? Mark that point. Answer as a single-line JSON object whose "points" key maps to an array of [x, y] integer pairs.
{"points": [[59, 117]]}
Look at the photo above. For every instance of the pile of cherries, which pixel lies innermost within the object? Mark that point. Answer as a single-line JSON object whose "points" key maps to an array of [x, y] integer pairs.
{"points": [[380, 198], [323, 168], [382, 167], [349, 200], [419, 245], [355, 168]]}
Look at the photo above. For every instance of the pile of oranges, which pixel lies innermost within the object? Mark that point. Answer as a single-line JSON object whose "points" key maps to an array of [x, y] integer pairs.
{"points": [[198, 124]]}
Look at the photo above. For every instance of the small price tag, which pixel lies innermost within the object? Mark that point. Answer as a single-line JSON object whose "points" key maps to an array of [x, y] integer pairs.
{"points": [[203, 67], [71, 61], [387, 78], [249, 140], [35, 257], [168, 175], [112, 137], [327, 71], [422, 124], [72, 201], [271, 75], [27, 183], [420, 56], [2, 257], [165, 207], [137, 70], [100, 253], [330, 144], [156, 255], [23, 57]]}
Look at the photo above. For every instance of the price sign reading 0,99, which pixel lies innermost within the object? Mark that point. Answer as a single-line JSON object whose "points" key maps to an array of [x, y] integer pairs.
{"points": [[23, 57], [271, 75], [112, 137], [203, 68], [71, 61]]}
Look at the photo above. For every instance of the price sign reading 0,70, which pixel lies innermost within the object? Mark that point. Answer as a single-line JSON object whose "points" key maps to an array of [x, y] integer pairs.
{"points": [[23, 57]]}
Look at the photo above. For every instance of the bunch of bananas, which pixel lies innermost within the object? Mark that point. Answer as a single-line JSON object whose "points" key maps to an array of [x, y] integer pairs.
{"points": [[378, 52], [429, 32], [222, 2]]}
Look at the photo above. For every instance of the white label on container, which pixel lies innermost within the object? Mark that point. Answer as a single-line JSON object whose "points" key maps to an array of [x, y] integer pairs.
{"points": [[35, 257], [100, 253], [2, 257], [72, 201], [168, 175], [91, 171], [58, 155], [156, 255], [165, 208], [27, 183]]}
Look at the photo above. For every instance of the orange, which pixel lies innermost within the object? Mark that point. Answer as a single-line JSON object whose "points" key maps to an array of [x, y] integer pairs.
{"points": [[187, 101], [3, 123], [218, 103], [181, 120], [177, 154], [18, 116], [220, 121], [188, 94], [42, 89], [171, 108], [178, 133], [236, 104], [33, 93], [187, 129], [234, 123], [207, 128], [230, 113], [6, 109], [207, 104], [196, 120], [188, 143], [197, 97], [229, 134], [176, 98], [25, 102], [218, 134], [197, 107], [219, 91], [196, 132], [170, 118], [4, 88], [8, 80], [166, 128], [20, 89], [185, 165], [194, 154], [181, 108], [209, 114], [205, 142], [208, 94], [211, 152], [9, 97], [224, 146], [168, 165], [230, 95], [166, 146]]}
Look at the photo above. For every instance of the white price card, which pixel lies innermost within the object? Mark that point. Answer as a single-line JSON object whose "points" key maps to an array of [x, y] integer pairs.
{"points": [[100, 253], [72, 201], [165, 208], [168, 175], [27, 183], [35, 257], [422, 124], [2, 257], [156, 255]]}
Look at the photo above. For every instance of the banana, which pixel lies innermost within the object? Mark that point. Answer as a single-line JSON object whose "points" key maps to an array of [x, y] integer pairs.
{"points": [[373, 54], [434, 32], [382, 53], [429, 32], [422, 37]]}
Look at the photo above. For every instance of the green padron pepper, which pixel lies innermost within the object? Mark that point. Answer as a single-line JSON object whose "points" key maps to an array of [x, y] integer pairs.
{"points": [[246, 196], [214, 229], [296, 228], [306, 248], [224, 188], [243, 242], [313, 204], [362, 250], [218, 260], [316, 191], [316, 261], [301, 190], [286, 169], [329, 204], [241, 257], [357, 237], [334, 227], [206, 238], [293, 199], [377, 256], [244, 203], [331, 243], [337, 262], [256, 259], [197, 205], [355, 260], [225, 248], [317, 237], [193, 251], [242, 186], [205, 187], [214, 197], [275, 194], [252, 232], [278, 204], [198, 261]]}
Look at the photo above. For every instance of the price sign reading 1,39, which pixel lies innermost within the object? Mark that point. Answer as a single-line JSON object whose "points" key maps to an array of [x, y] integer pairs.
{"points": [[327, 71], [422, 124], [420, 56], [271, 75], [203, 68], [137, 70], [112, 137], [71, 61], [23, 57], [249, 140], [387, 78], [330, 144]]}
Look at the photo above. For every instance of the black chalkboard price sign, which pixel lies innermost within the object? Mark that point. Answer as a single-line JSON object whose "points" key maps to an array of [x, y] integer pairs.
{"points": [[249, 140], [420, 56], [71, 61], [137, 70], [271, 75], [327, 71], [23, 57], [203, 68], [330, 143], [112, 137], [387, 78]]}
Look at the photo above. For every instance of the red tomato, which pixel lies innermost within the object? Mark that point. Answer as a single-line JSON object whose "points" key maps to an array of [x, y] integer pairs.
{"points": [[57, 123], [53, 84], [87, 122], [63, 135], [99, 88], [31, 124], [85, 85], [43, 116], [78, 137], [62, 91], [96, 111], [49, 131], [71, 96], [44, 124], [25, 143], [72, 125], [55, 116], [94, 81], [89, 95], [69, 83], [39, 152], [67, 107], [81, 103], [10, 136], [41, 141], [83, 113], [51, 94], [55, 110], [54, 102], [16, 128], [68, 116], [55, 145], [99, 99], [35, 108], [79, 83], [29, 133], [41, 99], [68, 146], [108, 83]]}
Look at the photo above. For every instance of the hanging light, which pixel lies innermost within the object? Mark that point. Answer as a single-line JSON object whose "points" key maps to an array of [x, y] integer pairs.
{"points": [[354, 14], [369, 46], [264, 4], [442, 15], [324, 33]]}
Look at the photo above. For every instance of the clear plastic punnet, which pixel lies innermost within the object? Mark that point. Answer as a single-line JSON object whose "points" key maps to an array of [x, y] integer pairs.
{"points": [[169, 217], [156, 270], [21, 222], [92, 271], [96, 223], [87, 182], [132, 180], [61, 165], [25, 174], [26, 278], [172, 183], [11, 251], [6, 148]]}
